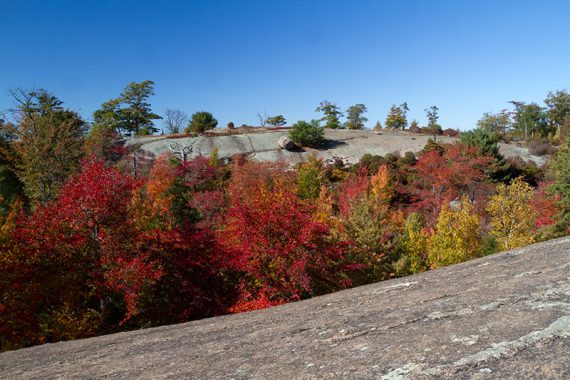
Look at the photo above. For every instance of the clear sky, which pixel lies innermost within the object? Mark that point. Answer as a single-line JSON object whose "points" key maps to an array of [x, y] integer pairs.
{"points": [[237, 58]]}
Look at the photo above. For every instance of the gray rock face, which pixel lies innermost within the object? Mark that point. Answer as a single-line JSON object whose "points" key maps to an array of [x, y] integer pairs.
{"points": [[502, 316], [350, 145], [286, 143]]}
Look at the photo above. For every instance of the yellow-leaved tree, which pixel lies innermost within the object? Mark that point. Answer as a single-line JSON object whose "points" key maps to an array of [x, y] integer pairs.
{"points": [[413, 243], [512, 217], [457, 236]]}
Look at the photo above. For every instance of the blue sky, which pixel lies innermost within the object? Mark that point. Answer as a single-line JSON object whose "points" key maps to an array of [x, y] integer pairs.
{"points": [[237, 58]]}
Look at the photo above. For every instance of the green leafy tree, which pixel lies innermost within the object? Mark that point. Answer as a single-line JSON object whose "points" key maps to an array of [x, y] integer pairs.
{"points": [[201, 122], [276, 121], [130, 112], [560, 174], [558, 109], [137, 116], [47, 143], [107, 117], [397, 117], [331, 114], [354, 116], [497, 123], [530, 120], [433, 117], [307, 134], [10, 185]]}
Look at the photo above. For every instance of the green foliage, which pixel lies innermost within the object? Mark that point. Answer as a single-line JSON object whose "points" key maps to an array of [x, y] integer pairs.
{"points": [[530, 120], [310, 177], [560, 173], [432, 146], [558, 108], [495, 123], [307, 134], [331, 114], [397, 117], [10, 186], [130, 112], [433, 117], [355, 118], [47, 144], [484, 140], [201, 122], [276, 121]]}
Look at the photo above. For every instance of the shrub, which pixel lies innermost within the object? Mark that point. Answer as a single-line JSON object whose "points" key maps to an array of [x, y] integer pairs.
{"points": [[307, 133], [540, 148], [201, 122]]}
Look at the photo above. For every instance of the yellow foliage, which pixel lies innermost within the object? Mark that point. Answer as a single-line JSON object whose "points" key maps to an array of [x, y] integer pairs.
{"points": [[9, 223], [214, 160], [381, 187], [68, 323], [512, 218], [414, 243], [457, 236]]}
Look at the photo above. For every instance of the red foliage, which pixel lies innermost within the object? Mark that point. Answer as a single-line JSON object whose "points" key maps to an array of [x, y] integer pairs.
{"points": [[444, 177], [352, 189], [545, 206], [283, 254]]}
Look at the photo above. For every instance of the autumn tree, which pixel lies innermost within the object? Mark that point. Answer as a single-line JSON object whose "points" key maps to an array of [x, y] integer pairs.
{"points": [[331, 114], [457, 236], [46, 145], [370, 223], [310, 178], [512, 218], [397, 117], [355, 116], [283, 253], [447, 173], [413, 244]]}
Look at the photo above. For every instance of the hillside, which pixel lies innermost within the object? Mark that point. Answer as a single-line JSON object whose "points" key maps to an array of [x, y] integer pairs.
{"points": [[502, 316], [346, 144]]}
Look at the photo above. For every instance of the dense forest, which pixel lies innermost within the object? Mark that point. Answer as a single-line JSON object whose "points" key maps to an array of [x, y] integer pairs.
{"points": [[94, 240]]}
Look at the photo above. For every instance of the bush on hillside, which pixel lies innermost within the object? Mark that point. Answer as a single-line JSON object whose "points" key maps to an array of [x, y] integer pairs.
{"points": [[307, 133], [201, 122]]}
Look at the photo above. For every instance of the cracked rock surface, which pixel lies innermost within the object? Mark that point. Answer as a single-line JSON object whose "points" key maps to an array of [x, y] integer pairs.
{"points": [[502, 316]]}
